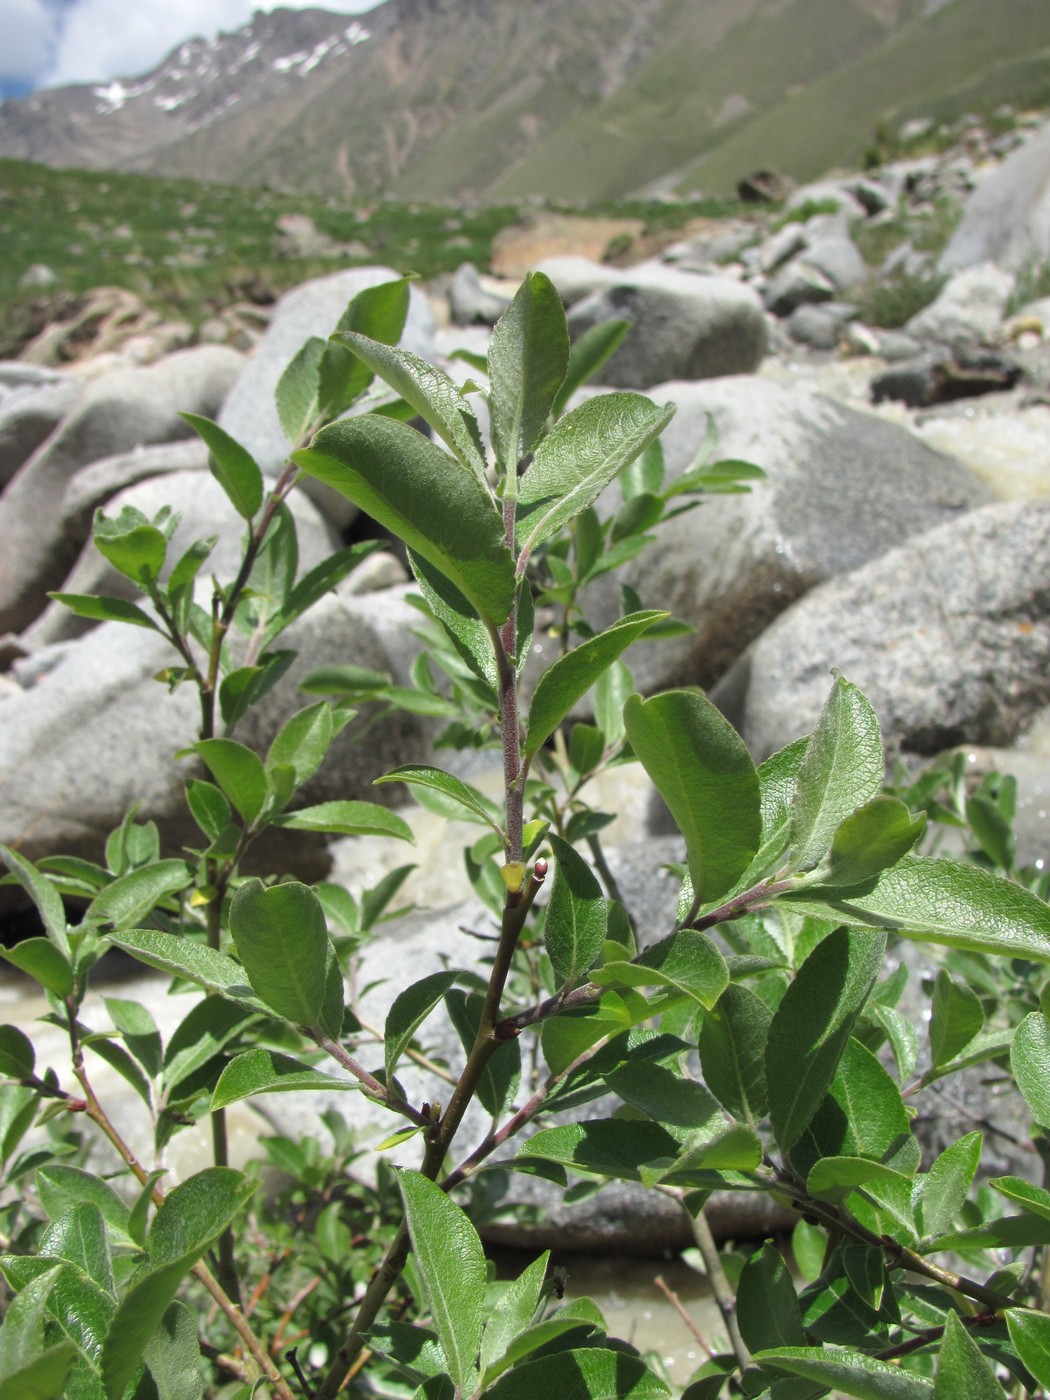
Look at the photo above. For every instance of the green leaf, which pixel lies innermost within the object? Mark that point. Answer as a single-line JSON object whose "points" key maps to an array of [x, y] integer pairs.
{"points": [[443, 513], [766, 1303], [239, 771], [173, 1356], [591, 1373], [687, 962], [834, 1177], [239, 690], [851, 1372], [708, 1140], [577, 915], [183, 957], [704, 773], [17, 1056], [130, 897], [189, 565], [842, 770], [137, 1026], [1030, 1334], [79, 1237], [955, 1018], [321, 579], [200, 1036], [451, 1264], [812, 1024], [1030, 1062], [513, 1313], [410, 1008], [296, 395], [42, 960], [62, 1187], [28, 1369], [732, 1046], [611, 1147], [571, 676], [348, 681], [1011, 1232], [941, 1192], [456, 615], [100, 607], [267, 1072], [528, 357], [432, 394], [211, 811], [579, 457], [420, 775], [303, 741], [867, 841], [502, 1073], [191, 1219], [962, 1368], [347, 819], [233, 466], [610, 695], [43, 894], [944, 901], [378, 312], [587, 355], [1032, 1198], [131, 544], [282, 939]]}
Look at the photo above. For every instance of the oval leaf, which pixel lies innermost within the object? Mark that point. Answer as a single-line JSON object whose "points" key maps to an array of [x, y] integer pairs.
{"points": [[451, 1264], [267, 1072], [426, 498], [812, 1024], [527, 360], [347, 819], [282, 939], [842, 770], [233, 466], [571, 676], [1030, 1062], [705, 775]]}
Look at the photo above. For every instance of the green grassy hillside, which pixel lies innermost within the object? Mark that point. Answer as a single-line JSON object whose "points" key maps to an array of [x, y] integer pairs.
{"points": [[969, 55]]}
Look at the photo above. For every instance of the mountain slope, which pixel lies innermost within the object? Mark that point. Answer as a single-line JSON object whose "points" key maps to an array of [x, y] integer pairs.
{"points": [[570, 99]]}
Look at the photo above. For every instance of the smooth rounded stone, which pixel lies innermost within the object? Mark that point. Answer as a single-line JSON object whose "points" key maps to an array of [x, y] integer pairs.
{"points": [[204, 510], [95, 485], [894, 346], [28, 416], [817, 326], [684, 326], [737, 561], [249, 413], [947, 635], [474, 301], [968, 309], [576, 277], [827, 192], [797, 284], [831, 250], [781, 247], [90, 732], [115, 413], [1006, 220], [15, 374]]}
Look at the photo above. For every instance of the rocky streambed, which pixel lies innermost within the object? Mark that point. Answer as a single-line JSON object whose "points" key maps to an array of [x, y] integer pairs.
{"points": [[902, 536]]}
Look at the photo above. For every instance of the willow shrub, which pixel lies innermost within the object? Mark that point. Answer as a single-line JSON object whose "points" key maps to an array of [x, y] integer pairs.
{"points": [[910, 1281]]}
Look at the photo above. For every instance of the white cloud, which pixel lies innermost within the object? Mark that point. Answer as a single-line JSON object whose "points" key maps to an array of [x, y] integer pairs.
{"points": [[28, 29], [104, 39]]}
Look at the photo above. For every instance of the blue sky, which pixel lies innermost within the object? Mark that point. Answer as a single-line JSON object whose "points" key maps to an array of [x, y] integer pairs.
{"points": [[47, 42]]}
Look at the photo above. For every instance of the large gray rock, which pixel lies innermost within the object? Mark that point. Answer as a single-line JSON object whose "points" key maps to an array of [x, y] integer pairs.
{"points": [[314, 308], [204, 510], [28, 416], [684, 326], [947, 635], [969, 309], [843, 487], [1006, 220], [115, 413], [831, 250], [88, 731]]}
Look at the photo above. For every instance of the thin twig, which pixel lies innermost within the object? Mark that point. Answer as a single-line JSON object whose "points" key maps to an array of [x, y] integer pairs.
{"points": [[720, 1287], [676, 1303]]}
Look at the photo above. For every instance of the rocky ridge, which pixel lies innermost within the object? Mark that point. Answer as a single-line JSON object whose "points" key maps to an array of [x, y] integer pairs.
{"points": [[894, 539]]}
